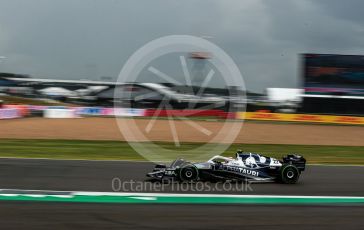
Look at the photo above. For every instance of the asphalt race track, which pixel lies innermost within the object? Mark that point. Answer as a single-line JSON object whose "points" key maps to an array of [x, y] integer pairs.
{"points": [[98, 175], [67, 175], [113, 216]]}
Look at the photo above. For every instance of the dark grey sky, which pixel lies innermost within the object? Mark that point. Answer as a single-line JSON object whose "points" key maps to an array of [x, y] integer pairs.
{"points": [[85, 39]]}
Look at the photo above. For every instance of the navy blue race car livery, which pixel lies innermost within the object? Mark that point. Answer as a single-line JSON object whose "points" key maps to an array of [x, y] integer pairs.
{"points": [[245, 166]]}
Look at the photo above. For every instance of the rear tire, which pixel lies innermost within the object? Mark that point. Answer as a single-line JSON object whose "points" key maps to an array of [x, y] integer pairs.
{"points": [[289, 174], [188, 173]]}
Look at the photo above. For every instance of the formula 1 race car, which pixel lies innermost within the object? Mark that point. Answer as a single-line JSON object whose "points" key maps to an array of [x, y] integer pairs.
{"points": [[244, 167]]}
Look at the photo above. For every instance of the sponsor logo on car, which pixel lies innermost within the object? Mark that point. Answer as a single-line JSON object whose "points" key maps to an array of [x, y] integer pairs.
{"points": [[241, 170], [169, 173]]}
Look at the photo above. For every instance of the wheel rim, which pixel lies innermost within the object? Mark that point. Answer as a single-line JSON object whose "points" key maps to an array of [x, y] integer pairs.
{"points": [[188, 174], [290, 174]]}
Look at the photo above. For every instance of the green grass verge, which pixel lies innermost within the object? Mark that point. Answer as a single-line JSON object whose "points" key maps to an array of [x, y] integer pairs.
{"points": [[114, 150]]}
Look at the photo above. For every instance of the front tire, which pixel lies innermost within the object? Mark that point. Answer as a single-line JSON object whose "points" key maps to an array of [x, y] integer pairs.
{"points": [[188, 173], [289, 174]]}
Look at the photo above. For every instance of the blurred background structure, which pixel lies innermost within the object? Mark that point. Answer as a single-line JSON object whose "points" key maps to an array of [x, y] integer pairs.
{"points": [[333, 84], [330, 84]]}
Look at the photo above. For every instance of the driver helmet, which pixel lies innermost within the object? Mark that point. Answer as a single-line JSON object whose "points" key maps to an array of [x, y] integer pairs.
{"points": [[238, 152]]}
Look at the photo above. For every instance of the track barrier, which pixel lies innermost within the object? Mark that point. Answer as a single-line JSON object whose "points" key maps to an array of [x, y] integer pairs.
{"points": [[329, 119]]}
